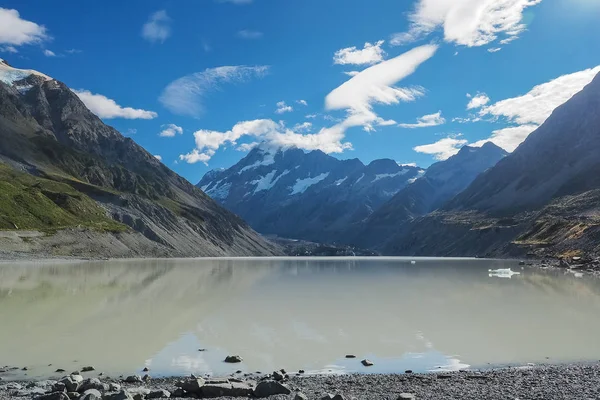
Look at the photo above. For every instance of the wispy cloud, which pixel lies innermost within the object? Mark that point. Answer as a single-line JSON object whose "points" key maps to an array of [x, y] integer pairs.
{"points": [[170, 130], [249, 34], [15, 31], [8, 49], [235, 1], [282, 108], [49, 53], [185, 95], [107, 108], [443, 148], [426, 121], [158, 157], [302, 102], [357, 96], [370, 54], [494, 49], [466, 22], [158, 27]]}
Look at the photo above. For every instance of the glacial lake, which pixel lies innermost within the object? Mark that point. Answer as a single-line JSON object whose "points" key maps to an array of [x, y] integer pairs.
{"points": [[417, 314]]}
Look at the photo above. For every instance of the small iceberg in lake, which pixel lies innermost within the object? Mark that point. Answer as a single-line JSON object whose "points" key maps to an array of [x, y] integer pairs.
{"points": [[506, 273]]}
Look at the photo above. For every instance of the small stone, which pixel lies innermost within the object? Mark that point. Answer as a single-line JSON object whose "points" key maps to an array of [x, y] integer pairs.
{"points": [[233, 359], [327, 396], [114, 387], [60, 370], [145, 369], [270, 388], [24, 369], [350, 356], [406, 396], [59, 387], [367, 363], [300, 396], [88, 369], [179, 392], [91, 394], [75, 373], [339, 397], [77, 378], [201, 349], [239, 371], [146, 378], [301, 372], [159, 394], [73, 395], [278, 376], [408, 371], [133, 379], [139, 396]]}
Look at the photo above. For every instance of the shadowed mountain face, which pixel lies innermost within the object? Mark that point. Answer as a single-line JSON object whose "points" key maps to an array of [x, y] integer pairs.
{"points": [[47, 132], [301, 195], [440, 183], [541, 199]]}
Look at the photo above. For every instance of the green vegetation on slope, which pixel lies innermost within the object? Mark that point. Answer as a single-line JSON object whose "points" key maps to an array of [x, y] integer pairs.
{"points": [[29, 202]]}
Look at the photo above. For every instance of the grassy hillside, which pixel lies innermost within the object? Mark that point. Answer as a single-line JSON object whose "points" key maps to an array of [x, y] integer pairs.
{"points": [[30, 202]]}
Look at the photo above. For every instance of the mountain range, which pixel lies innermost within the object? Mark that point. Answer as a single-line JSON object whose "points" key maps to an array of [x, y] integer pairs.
{"points": [[92, 191], [314, 196]]}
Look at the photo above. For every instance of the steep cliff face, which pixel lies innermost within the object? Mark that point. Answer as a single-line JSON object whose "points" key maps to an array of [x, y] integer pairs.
{"points": [[47, 132]]}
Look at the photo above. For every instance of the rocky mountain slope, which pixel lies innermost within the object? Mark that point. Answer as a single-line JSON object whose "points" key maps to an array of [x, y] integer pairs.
{"points": [[74, 172], [440, 183], [542, 199], [301, 195]]}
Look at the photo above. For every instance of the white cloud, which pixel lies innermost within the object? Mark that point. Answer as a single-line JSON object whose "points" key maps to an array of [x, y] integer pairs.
{"points": [[494, 49], [426, 121], [249, 34], [158, 157], [537, 105], [356, 96], [185, 95], [374, 85], [73, 51], [442, 149], [283, 108], [170, 130], [508, 138], [477, 101], [107, 108], [158, 27], [49, 53], [195, 156], [532, 109], [370, 54], [351, 73], [303, 127], [466, 22], [302, 102], [8, 49], [412, 164], [247, 146], [311, 116], [15, 31]]}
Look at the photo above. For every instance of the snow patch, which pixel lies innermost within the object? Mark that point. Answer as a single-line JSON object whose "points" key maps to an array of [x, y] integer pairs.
{"points": [[419, 175], [267, 182], [219, 191], [339, 182], [268, 159], [10, 75], [302, 185], [359, 179], [384, 176]]}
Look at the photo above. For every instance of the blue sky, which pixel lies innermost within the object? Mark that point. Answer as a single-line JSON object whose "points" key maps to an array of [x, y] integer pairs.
{"points": [[211, 73]]}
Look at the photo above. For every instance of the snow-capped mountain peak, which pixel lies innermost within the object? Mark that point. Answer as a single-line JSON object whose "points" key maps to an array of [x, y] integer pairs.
{"points": [[20, 79], [290, 192]]}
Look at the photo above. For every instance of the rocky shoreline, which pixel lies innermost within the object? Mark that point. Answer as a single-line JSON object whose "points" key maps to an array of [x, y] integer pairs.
{"points": [[576, 381]]}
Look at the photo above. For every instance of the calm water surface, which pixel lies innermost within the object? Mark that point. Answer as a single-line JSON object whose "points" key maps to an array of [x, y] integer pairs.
{"points": [[121, 316]]}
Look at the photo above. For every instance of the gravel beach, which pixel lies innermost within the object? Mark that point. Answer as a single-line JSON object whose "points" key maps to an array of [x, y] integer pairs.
{"points": [[538, 382]]}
